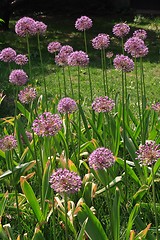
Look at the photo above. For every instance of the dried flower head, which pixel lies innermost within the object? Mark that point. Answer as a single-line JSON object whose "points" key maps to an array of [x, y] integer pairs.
{"points": [[141, 33], [25, 26], [54, 47], [47, 124], [21, 59], [123, 63], [78, 58], [7, 55], [156, 107], [109, 54], [27, 95], [83, 23], [102, 41], [101, 158], [136, 47], [8, 143], [67, 105], [18, 77], [64, 181], [148, 153], [121, 30], [41, 27], [103, 104]]}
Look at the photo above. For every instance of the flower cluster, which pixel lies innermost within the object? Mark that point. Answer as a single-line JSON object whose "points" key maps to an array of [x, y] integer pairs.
{"points": [[121, 30], [47, 124], [78, 58], [18, 77], [156, 107], [64, 181], [123, 63], [7, 55], [103, 104], [136, 47], [102, 41], [54, 47], [27, 95], [21, 59], [148, 153], [8, 143], [25, 26], [67, 105], [83, 23], [101, 158], [141, 33], [41, 27], [61, 58]]}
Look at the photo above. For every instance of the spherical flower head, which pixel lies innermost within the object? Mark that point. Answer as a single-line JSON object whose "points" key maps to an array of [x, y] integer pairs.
{"points": [[61, 58], [41, 27], [64, 181], [140, 33], [83, 23], [7, 55], [25, 26], [8, 143], [78, 58], [123, 63], [67, 105], [121, 30], [148, 153], [102, 41], [21, 59], [103, 104], [101, 158], [109, 54], [156, 107], [136, 47], [18, 77], [27, 95], [47, 124], [54, 47]]}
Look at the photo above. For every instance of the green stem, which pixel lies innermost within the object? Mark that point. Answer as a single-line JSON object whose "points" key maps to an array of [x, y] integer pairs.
{"points": [[29, 56], [53, 218], [67, 136], [66, 211], [70, 82], [103, 72], [143, 97], [64, 82], [79, 115], [154, 203]]}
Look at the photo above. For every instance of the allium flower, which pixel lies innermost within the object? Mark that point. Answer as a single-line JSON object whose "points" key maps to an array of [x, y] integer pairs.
{"points": [[156, 107], [67, 105], [29, 136], [7, 55], [121, 30], [101, 158], [54, 47], [102, 41], [47, 124], [109, 54], [83, 23], [21, 59], [64, 181], [78, 58], [18, 77], [136, 47], [27, 95], [103, 104], [148, 153], [8, 143], [141, 33], [41, 27], [123, 63], [25, 26], [61, 58]]}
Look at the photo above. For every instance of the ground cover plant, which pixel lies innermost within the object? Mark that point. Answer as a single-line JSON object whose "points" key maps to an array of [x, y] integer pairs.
{"points": [[79, 145]]}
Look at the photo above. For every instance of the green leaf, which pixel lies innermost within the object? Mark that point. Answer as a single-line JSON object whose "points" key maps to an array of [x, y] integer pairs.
{"points": [[116, 215], [94, 229], [80, 236], [140, 193], [23, 110], [3, 204], [96, 131], [3, 235], [132, 217], [38, 235]]}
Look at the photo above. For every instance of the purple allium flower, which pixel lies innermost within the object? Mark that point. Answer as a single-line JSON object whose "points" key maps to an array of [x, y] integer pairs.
{"points": [[25, 26], [156, 107], [67, 105], [141, 33], [103, 104], [18, 77], [47, 124], [123, 63], [83, 23], [102, 41], [136, 47], [54, 47], [148, 153], [41, 27], [101, 158], [27, 95], [61, 58], [121, 30], [7, 55], [8, 143], [109, 54], [64, 181], [78, 58], [29, 136], [21, 59]]}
